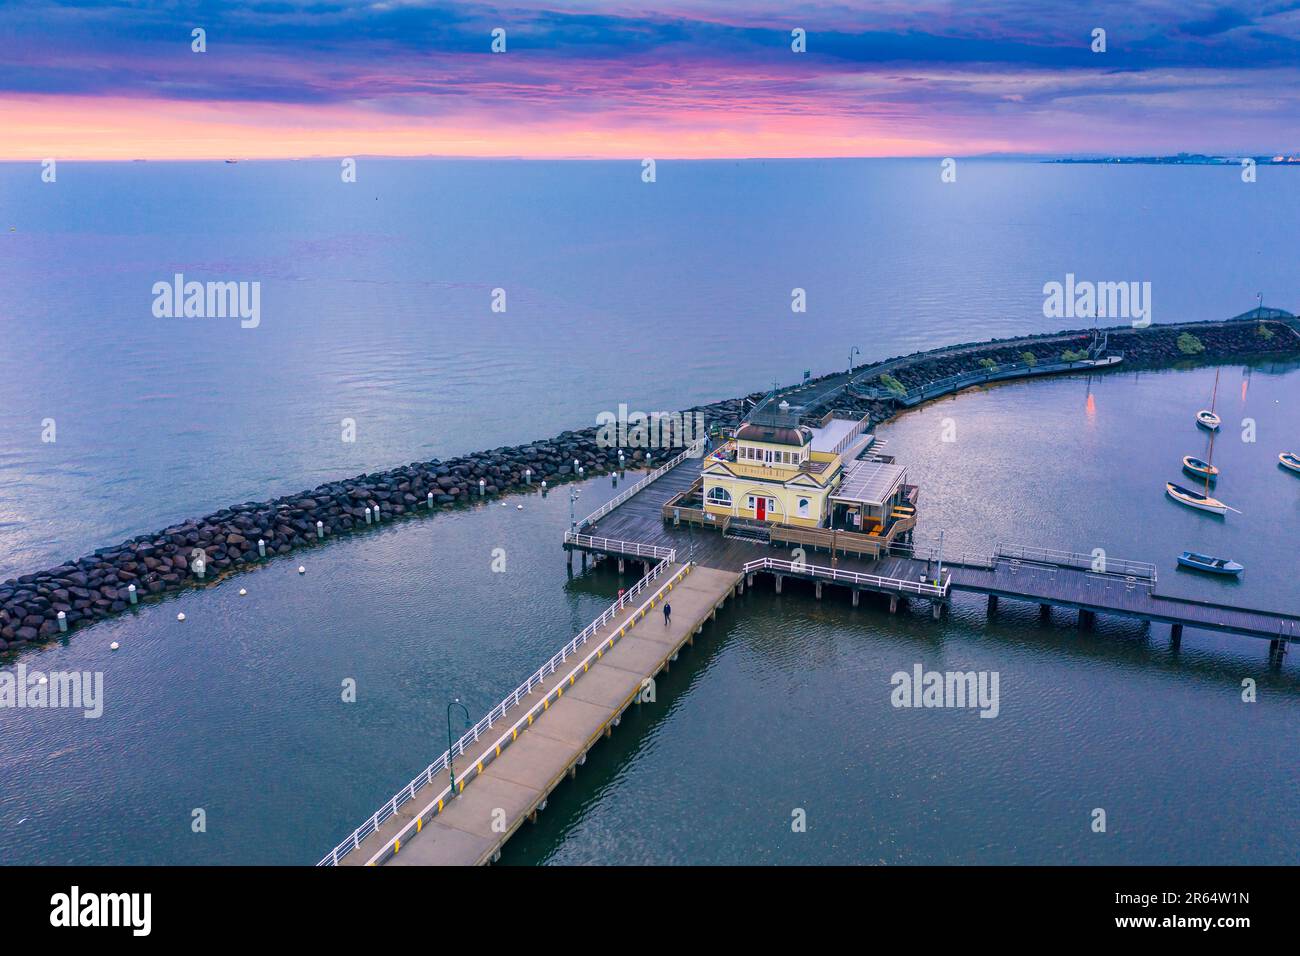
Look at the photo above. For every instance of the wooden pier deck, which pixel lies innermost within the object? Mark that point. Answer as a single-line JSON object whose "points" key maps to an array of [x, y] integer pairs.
{"points": [[505, 778]]}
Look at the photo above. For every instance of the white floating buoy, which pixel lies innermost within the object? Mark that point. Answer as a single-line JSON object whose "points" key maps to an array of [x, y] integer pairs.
{"points": [[520, 507], [301, 569], [63, 622], [243, 591], [180, 617], [113, 646]]}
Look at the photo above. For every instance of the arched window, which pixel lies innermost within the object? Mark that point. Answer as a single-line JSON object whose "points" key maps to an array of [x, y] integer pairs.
{"points": [[719, 495], [803, 507]]}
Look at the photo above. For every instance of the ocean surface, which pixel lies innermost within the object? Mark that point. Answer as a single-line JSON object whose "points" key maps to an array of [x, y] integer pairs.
{"points": [[376, 306]]}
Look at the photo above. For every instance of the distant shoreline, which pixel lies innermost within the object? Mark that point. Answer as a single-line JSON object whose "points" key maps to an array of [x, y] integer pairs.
{"points": [[1181, 159]]}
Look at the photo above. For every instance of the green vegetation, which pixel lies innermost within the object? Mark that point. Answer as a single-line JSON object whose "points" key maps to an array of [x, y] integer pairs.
{"points": [[1079, 356], [1029, 358], [1263, 331], [893, 384], [1189, 344], [989, 364]]}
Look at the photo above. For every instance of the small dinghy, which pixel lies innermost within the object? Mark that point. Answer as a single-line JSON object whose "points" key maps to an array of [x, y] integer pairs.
{"points": [[1206, 562], [1194, 499], [1201, 469], [1206, 417], [1290, 461]]}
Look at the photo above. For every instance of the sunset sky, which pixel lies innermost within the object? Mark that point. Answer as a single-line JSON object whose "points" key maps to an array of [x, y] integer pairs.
{"points": [[658, 78]]}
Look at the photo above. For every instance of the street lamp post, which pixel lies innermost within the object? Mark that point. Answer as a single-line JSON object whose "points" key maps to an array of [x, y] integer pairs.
{"points": [[573, 518], [852, 352], [451, 770]]}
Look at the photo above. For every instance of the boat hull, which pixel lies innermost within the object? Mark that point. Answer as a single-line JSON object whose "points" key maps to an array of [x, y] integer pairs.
{"points": [[1192, 499], [1289, 461], [1208, 420], [1210, 565], [1201, 469]]}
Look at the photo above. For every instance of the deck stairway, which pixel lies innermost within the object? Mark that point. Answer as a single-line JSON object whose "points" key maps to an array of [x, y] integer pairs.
{"points": [[745, 529]]}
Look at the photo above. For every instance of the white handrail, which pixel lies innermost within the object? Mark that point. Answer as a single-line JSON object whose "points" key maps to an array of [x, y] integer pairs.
{"points": [[525, 719], [692, 451], [854, 577], [852, 436], [496, 713], [619, 546], [1109, 565]]}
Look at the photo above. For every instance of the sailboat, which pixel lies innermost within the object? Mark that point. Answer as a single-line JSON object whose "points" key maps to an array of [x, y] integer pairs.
{"points": [[1196, 499], [1289, 460], [1206, 417]]}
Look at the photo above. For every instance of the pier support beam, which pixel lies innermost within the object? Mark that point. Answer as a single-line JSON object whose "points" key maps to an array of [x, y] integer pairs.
{"points": [[750, 577], [893, 603], [856, 595], [1175, 636], [1045, 611], [584, 560], [817, 588], [621, 564], [779, 579], [937, 610], [1087, 619], [993, 603]]}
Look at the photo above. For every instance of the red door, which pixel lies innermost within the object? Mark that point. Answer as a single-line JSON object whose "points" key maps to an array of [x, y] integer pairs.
{"points": [[760, 505]]}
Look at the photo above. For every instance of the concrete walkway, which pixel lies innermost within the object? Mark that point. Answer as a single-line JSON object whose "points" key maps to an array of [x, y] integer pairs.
{"points": [[513, 785]]}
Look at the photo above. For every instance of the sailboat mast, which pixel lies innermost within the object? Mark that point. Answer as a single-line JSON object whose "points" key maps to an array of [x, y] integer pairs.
{"points": [[1209, 466], [1214, 395]]}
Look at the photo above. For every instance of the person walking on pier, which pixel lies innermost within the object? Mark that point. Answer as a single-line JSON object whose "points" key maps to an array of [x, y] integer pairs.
{"points": [[668, 612]]}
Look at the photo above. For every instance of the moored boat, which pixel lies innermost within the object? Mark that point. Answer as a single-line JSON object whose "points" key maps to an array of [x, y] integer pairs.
{"points": [[1206, 417], [1194, 499], [1289, 460], [1206, 562], [1199, 468]]}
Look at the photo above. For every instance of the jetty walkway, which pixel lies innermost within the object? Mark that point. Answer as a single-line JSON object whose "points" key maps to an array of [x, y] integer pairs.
{"points": [[508, 764]]}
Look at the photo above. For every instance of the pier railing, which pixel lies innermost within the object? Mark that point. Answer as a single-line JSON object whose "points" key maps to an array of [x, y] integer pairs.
{"points": [[875, 581], [994, 373], [962, 557], [497, 713], [692, 450], [1143, 571], [854, 434], [619, 546]]}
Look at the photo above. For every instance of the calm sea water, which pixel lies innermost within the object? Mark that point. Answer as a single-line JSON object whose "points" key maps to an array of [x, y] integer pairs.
{"points": [[376, 307], [376, 303]]}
